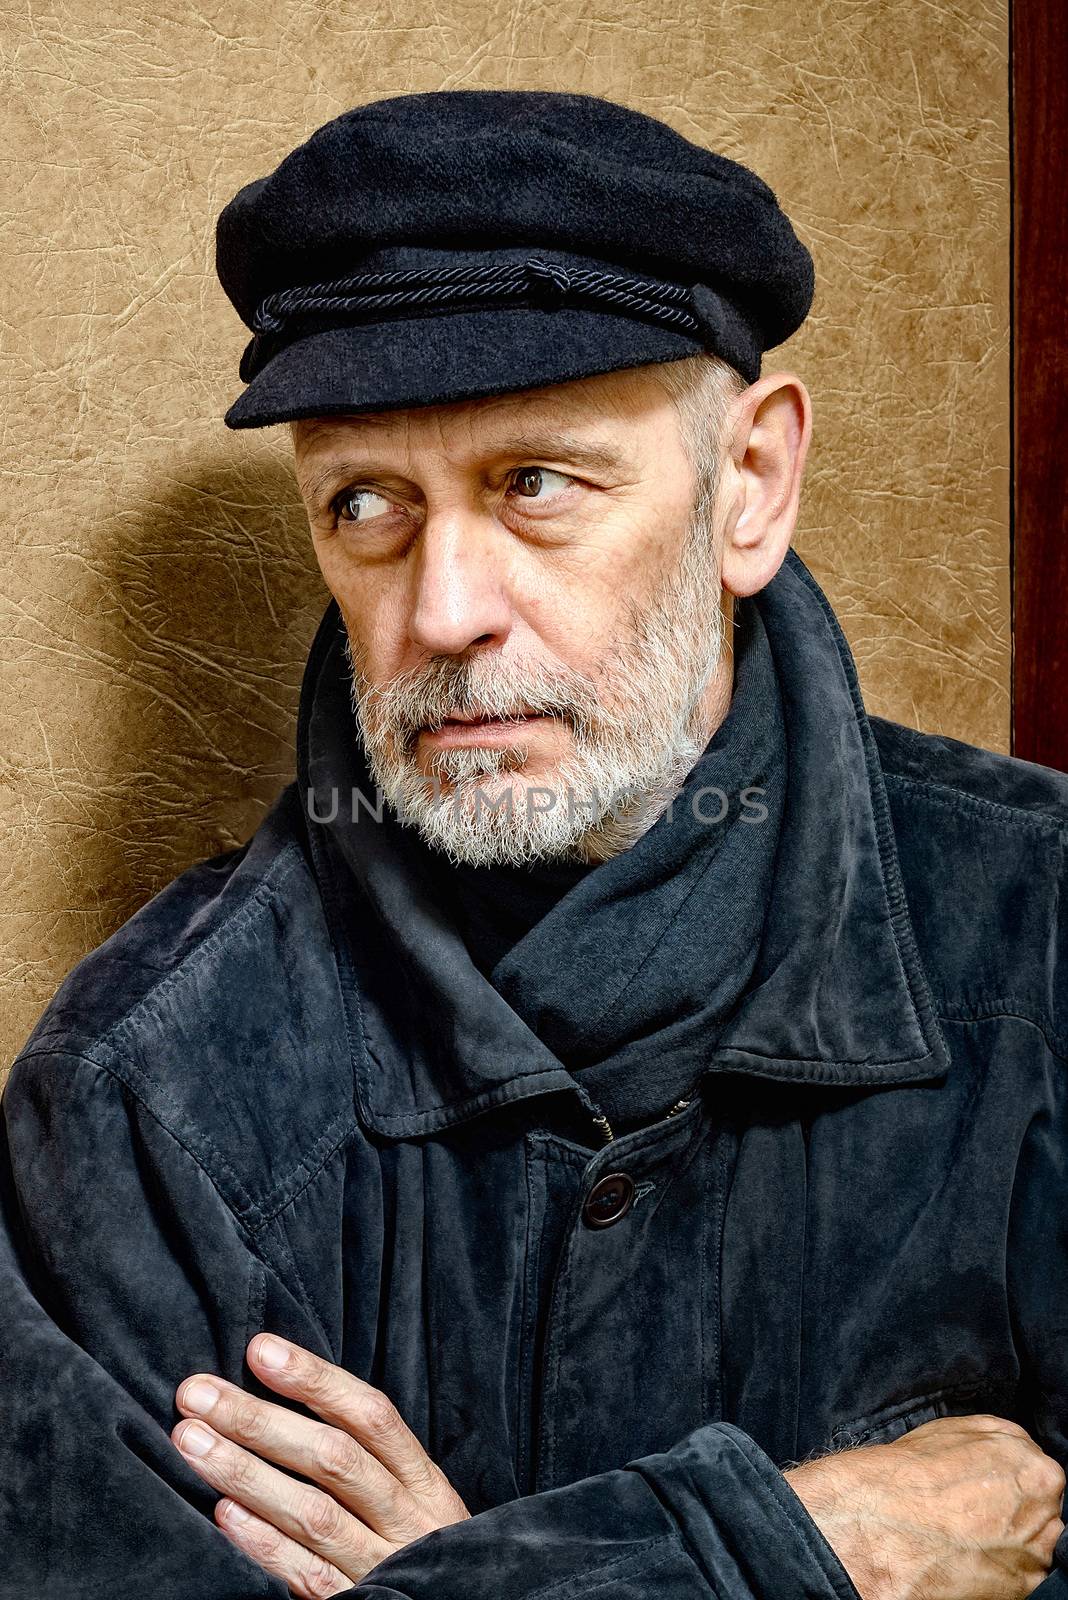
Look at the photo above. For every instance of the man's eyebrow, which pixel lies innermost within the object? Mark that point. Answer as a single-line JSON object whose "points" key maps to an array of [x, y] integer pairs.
{"points": [[559, 447], [527, 446]]}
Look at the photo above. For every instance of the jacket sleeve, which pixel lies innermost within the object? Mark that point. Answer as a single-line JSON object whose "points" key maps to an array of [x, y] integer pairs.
{"points": [[711, 1519], [1036, 1253], [123, 1271]]}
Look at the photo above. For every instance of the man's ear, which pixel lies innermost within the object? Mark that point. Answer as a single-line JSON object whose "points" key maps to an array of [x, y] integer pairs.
{"points": [[765, 448]]}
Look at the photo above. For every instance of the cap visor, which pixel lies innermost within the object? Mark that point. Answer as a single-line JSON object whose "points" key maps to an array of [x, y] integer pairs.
{"points": [[423, 361]]}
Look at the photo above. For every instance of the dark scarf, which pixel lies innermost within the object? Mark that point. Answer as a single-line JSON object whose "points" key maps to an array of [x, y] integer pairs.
{"points": [[627, 969]]}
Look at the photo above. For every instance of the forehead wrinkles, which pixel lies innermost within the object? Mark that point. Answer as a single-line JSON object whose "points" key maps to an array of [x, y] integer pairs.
{"points": [[616, 394], [480, 427], [353, 430]]}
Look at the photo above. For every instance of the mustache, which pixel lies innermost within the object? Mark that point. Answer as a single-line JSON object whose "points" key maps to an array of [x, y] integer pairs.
{"points": [[430, 694]]}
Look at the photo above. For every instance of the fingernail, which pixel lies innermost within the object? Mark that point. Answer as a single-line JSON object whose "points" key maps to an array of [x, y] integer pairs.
{"points": [[200, 1396], [195, 1440], [236, 1513], [272, 1353]]}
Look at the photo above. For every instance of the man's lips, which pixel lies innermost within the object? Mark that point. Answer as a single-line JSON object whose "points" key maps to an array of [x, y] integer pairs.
{"points": [[461, 730], [513, 716]]}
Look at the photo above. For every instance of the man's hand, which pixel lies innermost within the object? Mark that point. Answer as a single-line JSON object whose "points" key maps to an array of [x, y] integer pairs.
{"points": [[962, 1508], [378, 1489]]}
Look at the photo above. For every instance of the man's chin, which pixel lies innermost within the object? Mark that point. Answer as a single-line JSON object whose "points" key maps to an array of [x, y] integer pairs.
{"points": [[514, 817], [528, 786]]}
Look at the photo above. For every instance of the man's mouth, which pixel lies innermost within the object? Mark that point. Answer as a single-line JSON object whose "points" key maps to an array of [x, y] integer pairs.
{"points": [[511, 716], [517, 714], [454, 729]]}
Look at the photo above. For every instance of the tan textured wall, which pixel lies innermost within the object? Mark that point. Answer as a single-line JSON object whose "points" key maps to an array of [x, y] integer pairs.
{"points": [[158, 591]]}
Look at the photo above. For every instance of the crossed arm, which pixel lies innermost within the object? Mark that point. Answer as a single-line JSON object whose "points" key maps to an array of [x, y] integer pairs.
{"points": [[102, 1210], [964, 1508]]}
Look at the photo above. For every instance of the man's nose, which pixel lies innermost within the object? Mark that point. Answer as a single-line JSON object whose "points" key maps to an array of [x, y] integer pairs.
{"points": [[461, 595]]}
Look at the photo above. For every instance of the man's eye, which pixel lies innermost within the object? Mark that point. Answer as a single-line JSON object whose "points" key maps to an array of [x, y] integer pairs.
{"points": [[358, 505], [528, 482]]}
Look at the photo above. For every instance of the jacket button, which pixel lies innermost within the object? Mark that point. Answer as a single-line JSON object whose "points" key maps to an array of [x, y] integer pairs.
{"points": [[609, 1199]]}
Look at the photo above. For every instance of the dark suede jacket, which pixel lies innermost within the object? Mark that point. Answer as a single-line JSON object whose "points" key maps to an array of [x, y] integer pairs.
{"points": [[282, 1096]]}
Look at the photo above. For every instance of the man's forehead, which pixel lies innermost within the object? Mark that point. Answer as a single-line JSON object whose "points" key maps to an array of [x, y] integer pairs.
{"points": [[594, 422], [581, 402]]}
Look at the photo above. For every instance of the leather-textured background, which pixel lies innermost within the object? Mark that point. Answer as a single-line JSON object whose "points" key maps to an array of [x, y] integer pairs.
{"points": [[158, 587]]}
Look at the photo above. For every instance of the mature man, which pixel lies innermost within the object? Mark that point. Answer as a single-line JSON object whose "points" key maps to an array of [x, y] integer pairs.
{"points": [[605, 1131]]}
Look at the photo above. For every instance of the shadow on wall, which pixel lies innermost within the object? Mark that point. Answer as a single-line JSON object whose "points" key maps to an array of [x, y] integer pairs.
{"points": [[172, 642]]}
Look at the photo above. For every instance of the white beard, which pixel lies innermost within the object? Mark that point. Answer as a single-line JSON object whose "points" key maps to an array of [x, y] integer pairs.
{"points": [[632, 749]]}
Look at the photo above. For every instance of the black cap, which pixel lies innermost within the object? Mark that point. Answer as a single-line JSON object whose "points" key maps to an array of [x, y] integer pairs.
{"points": [[466, 242]]}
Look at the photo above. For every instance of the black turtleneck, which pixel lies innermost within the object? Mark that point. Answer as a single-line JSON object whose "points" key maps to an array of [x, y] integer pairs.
{"points": [[495, 907]]}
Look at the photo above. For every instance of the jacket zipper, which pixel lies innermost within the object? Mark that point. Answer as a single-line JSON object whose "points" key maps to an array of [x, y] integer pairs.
{"points": [[605, 1127]]}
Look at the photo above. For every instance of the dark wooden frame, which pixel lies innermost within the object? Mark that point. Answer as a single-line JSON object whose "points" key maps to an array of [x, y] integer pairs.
{"points": [[1038, 118]]}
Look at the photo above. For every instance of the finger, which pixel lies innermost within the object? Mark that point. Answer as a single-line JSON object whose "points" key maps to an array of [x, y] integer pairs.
{"points": [[306, 1574], [314, 1519], [355, 1406], [327, 1455]]}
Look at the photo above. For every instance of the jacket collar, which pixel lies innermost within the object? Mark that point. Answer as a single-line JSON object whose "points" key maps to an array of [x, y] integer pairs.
{"points": [[837, 997]]}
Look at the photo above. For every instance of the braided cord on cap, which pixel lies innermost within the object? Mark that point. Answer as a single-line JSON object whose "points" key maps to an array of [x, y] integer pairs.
{"points": [[548, 284]]}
